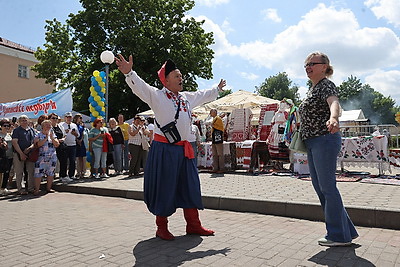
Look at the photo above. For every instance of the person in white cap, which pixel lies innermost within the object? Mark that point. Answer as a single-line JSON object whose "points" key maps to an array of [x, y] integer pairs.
{"points": [[171, 178], [72, 133]]}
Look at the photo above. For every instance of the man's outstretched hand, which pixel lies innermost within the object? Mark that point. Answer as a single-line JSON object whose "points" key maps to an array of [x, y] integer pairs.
{"points": [[221, 84], [124, 66]]}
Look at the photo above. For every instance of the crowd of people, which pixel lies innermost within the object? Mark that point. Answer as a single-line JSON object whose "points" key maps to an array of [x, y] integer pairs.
{"points": [[60, 147]]}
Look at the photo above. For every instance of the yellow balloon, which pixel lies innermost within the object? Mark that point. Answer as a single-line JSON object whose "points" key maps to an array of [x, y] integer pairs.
{"points": [[103, 109], [102, 84], [96, 73], [94, 94], [95, 113], [103, 90], [98, 79], [97, 98], [101, 104]]}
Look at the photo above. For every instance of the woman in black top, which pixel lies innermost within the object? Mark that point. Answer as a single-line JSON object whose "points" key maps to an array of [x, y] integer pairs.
{"points": [[118, 142], [61, 150], [319, 123]]}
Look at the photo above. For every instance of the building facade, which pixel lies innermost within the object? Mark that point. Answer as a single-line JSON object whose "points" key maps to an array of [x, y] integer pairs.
{"points": [[18, 81]]}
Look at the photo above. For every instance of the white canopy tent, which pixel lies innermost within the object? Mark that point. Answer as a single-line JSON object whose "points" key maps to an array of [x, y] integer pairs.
{"points": [[238, 99]]}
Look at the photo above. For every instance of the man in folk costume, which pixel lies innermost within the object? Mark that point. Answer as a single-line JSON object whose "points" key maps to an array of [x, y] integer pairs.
{"points": [[171, 178]]}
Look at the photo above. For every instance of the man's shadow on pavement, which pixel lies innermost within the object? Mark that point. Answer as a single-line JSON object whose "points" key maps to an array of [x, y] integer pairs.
{"points": [[340, 256], [157, 252]]}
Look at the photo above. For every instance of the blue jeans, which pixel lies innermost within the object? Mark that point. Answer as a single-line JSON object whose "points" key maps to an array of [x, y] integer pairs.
{"points": [[99, 156], [117, 156], [125, 158], [322, 155]]}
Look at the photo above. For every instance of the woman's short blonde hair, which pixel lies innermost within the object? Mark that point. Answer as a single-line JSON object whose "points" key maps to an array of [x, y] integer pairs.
{"points": [[45, 121], [112, 119], [324, 58]]}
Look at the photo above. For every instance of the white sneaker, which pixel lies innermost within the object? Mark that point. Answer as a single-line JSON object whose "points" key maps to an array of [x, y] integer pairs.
{"points": [[97, 176], [329, 243], [104, 176], [5, 191]]}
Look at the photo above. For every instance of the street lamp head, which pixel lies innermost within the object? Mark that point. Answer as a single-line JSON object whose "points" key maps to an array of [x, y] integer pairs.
{"points": [[107, 57]]}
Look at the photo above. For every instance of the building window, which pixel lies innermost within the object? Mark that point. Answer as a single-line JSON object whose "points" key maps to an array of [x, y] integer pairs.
{"points": [[23, 71]]}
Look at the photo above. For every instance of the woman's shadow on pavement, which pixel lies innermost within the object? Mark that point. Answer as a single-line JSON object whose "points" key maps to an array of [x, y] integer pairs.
{"points": [[157, 252], [340, 256]]}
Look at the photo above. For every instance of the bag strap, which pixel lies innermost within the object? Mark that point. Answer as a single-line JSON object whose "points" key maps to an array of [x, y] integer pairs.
{"points": [[176, 114], [32, 135]]}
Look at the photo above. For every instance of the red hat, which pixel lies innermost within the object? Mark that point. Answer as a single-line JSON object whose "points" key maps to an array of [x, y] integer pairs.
{"points": [[166, 68]]}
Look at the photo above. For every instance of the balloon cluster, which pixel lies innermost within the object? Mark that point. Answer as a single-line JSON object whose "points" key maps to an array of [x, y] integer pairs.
{"points": [[398, 117], [97, 92]]}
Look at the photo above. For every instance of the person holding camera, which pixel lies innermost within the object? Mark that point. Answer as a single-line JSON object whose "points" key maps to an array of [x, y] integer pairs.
{"points": [[135, 146], [46, 164], [171, 178], [71, 135]]}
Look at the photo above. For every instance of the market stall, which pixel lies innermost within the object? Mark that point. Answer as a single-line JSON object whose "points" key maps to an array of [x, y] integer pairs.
{"points": [[365, 151]]}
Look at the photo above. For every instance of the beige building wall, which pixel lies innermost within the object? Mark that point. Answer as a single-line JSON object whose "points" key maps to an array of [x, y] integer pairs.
{"points": [[12, 87]]}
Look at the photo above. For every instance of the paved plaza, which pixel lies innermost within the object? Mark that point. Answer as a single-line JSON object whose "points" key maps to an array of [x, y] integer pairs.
{"points": [[104, 223], [66, 229]]}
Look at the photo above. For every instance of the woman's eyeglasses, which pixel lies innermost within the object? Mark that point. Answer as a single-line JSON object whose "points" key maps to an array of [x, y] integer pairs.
{"points": [[310, 64], [6, 125], [53, 118]]}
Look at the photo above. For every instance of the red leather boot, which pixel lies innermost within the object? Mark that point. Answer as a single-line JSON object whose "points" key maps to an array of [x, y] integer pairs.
{"points": [[162, 228], [193, 226]]}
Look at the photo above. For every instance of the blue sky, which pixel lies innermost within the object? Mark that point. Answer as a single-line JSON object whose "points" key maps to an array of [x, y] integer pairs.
{"points": [[257, 39]]}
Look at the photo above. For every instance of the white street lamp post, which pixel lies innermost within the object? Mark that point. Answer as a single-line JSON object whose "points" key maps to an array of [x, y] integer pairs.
{"points": [[107, 57]]}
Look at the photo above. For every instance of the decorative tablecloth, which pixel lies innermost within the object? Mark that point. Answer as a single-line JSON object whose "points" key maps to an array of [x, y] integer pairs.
{"points": [[233, 155], [366, 151], [300, 163], [394, 158], [237, 155]]}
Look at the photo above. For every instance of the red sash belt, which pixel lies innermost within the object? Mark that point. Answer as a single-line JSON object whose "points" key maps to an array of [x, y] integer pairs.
{"points": [[189, 153]]}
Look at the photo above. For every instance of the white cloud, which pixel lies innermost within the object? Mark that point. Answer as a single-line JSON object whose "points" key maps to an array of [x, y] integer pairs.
{"points": [[337, 33], [271, 14], [386, 82], [212, 3], [353, 50], [222, 45], [226, 27], [249, 76], [387, 9]]}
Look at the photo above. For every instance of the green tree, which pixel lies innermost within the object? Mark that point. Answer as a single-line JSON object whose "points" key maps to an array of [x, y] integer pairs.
{"points": [[375, 106], [349, 88], [152, 31], [224, 93], [279, 87]]}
